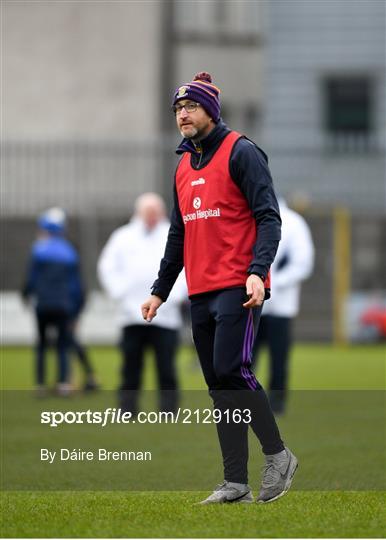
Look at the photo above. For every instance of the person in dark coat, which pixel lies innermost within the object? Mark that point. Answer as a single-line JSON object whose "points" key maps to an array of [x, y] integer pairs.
{"points": [[54, 286]]}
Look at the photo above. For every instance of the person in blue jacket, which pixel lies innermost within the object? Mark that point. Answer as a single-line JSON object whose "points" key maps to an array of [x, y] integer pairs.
{"points": [[54, 285]]}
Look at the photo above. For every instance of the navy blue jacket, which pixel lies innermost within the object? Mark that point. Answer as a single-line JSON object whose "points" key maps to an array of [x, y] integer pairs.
{"points": [[53, 277], [249, 170]]}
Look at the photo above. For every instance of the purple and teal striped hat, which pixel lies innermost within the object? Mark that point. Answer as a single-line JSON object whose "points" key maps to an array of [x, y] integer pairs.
{"points": [[201, 90]]}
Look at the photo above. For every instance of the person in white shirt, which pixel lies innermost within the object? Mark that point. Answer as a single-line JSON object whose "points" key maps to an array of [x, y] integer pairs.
{"points": [[126, 269], [293, 264]]}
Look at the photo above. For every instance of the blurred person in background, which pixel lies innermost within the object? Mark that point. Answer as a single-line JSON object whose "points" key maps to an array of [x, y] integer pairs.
{"points": [[54, 285], [293, 264], [126, 268], [225, 230], [76, 347]]}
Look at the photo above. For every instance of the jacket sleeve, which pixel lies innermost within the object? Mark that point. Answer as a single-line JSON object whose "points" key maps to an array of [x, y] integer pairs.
{"points": [[299, 250], [173, 260], [78, 296], [249, 170], [29, 284], [109, 268]]}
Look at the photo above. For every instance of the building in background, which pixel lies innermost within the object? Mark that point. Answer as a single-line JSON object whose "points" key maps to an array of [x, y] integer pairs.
{"points": [[88, 87], [87, 124], [325, 101], [324, 128], [226, 38]]}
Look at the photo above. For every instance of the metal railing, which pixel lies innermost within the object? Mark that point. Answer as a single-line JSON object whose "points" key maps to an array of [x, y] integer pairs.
{"points": [[104, 177]]}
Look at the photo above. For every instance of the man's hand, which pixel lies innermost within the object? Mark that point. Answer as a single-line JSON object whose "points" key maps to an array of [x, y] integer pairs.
{"points": [[255, 291], [149, 308]]}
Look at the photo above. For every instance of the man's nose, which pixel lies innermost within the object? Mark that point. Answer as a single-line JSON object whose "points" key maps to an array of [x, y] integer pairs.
{"points": [[183, 113]]}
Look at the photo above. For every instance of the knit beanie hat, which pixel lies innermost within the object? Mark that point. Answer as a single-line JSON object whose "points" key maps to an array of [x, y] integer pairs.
{"points": [[202, 91]]}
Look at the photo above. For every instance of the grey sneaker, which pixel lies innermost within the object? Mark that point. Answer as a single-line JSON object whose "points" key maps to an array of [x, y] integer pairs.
{"points": [[227, 492], [278, 473]]}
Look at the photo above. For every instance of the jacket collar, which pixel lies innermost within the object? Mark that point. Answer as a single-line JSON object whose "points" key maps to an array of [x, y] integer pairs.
{"points": [[206, 144]]}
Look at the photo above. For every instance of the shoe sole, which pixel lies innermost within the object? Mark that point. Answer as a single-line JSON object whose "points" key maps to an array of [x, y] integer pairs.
{"points": [[293, 466], [239, 500]]}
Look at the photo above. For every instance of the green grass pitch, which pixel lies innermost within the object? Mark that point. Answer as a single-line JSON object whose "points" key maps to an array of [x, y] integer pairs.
{"points": [[301, 513]]}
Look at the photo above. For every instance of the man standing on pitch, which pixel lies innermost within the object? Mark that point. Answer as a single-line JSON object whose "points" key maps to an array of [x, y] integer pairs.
{"points": [[225, 230]]}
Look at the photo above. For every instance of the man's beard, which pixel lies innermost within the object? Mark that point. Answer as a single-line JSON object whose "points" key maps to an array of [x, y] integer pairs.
{"points": [[193, 133]]}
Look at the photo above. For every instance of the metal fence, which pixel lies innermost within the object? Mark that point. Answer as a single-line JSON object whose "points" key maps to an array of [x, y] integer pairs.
{"points": [[318, 319], [103, 177], [97, 182], [85, 178]]}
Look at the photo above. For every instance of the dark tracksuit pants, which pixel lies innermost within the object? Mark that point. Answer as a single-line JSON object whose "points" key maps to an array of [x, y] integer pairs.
{"points": [[224, 332], [78, 348], [275, 332], [59, 320], [164, 341]]}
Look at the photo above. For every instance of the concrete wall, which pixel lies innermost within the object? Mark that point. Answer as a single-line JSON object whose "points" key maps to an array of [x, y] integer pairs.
{"points": [[80, 75], [80, 69], [92, 69], [225, 40]]}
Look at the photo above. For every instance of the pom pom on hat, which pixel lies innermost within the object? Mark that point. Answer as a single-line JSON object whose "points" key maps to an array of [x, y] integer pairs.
{"points": [[202, 90], [203, 76]]}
